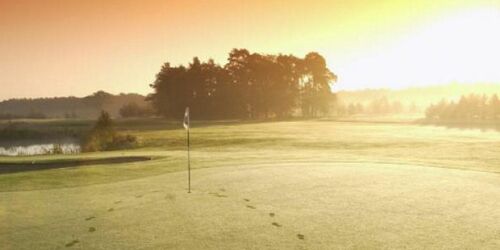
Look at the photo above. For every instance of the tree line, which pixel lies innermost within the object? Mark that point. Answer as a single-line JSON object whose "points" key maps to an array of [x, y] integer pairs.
{"points": [[376, 106], [248, 86], [470, 107], [72, 107]]}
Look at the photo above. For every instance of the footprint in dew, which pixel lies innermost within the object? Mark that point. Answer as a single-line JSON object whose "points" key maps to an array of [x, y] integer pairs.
{"points": [[247, 200], [218, 195], [300, 236], [276, 224], [170, 197], [73, 242], [90, 218], [251, 207]]}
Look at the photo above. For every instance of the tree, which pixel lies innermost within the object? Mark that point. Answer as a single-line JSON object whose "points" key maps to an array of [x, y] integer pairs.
{"points": [[249, 86], [101, 134], [170, 93], [103, 137], [494, 107], [287, 88], [468, 108], [316, 85], [239, 76], [133, 109]]}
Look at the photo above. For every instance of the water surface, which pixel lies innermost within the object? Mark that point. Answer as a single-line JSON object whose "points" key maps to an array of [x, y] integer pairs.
{"points": [[37, 148]]}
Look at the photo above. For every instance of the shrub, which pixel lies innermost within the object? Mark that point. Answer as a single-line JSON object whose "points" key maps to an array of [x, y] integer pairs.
{"points": [[103, 137], [57, 149]]}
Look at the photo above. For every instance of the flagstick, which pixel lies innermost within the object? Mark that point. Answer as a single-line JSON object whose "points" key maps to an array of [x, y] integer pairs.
{"points": [[189, 163], [186, 124]]}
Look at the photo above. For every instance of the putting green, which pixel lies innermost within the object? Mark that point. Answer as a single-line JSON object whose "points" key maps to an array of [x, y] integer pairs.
{"points": [[276, 206]]}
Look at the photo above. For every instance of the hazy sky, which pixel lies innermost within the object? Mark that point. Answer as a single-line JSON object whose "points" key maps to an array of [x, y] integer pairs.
{"points": [[74, 47]]}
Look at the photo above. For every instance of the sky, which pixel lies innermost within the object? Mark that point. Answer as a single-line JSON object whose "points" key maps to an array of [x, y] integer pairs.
{"points": [[71, 47]]}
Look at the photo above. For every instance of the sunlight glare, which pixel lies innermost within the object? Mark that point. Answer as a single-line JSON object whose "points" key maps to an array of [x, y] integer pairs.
{"points": [[462, 47]]}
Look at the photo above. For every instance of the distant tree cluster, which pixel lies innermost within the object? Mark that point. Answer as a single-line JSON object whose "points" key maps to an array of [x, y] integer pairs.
{"points": [[377, 106], [133, 109], [67, 107], [471, 107], [249, 86]]}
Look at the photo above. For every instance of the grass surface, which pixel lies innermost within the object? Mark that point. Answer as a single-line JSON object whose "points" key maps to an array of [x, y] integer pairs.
{"points": [[233, 144], [280, 185]]}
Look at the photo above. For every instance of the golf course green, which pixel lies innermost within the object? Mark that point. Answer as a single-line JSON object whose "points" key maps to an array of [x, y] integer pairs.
{"points": [[312, 184]]}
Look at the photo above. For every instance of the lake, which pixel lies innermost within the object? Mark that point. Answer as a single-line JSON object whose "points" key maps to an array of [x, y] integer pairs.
{"points": [[37, 148]]}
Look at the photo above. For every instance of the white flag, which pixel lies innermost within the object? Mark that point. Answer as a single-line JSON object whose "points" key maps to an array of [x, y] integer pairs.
{"points": [[186, 118]]}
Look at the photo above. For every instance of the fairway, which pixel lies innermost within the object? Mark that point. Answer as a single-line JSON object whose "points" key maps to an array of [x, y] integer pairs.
{"points": [[279, 206], [275, 185]]}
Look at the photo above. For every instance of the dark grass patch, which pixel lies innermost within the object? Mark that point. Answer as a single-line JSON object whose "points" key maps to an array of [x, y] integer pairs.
{"points": [[111, 210], [271, 214], [16, 167], [251, 207], [276, 224], [170, 197], [90, 218], [301, 236], [91, 229], [72, 243]]}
